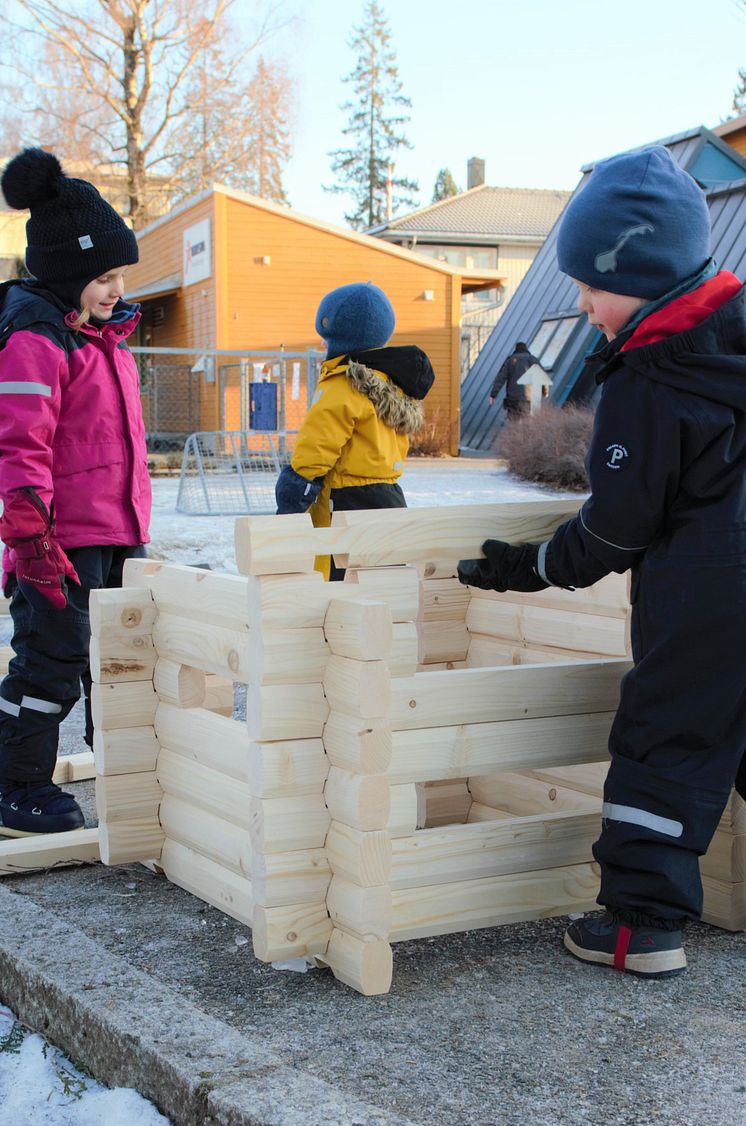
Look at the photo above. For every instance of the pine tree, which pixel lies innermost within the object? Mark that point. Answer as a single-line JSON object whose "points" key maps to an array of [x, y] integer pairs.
{"points": [[739, 94], [445, 186], [376, 119]]}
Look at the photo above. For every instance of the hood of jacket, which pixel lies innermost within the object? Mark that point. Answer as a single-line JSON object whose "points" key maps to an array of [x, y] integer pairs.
{"points": [[707, 358], [406, 364], [25, 302]]}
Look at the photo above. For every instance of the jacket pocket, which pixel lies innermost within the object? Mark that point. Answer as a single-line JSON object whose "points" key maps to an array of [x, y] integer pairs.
{"points": [[84, 456]]}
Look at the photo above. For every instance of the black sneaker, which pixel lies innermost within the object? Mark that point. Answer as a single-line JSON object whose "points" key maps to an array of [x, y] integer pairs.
{"points": [[38, 807], [644, 951]]}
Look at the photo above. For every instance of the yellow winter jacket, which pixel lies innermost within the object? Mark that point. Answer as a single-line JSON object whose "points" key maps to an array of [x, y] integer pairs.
{"points": [[356, 431]]}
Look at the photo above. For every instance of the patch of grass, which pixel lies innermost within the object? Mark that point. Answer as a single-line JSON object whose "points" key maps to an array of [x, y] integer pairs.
{"points": [[549, 447]]}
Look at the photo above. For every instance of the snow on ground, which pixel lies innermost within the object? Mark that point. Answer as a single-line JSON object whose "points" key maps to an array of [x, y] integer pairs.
{"points": [[38, 1085]]}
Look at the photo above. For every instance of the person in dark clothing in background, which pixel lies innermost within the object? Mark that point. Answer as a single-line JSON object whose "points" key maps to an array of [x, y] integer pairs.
{"points": [[667, 466], [516, 396]]}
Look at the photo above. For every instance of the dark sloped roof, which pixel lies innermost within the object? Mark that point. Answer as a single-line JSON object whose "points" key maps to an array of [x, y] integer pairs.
{"points": [[545, 291], [499, 212]]}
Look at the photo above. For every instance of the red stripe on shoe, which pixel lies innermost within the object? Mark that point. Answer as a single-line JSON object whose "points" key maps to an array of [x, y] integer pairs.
{"points": [[622, 946]]}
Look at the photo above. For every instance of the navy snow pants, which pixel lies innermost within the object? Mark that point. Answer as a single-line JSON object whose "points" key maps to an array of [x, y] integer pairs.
{"points": [[50, 661]]}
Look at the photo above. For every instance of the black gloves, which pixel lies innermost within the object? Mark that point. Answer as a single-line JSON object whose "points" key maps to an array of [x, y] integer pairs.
{"points": [[505, 568], [294, 493]]}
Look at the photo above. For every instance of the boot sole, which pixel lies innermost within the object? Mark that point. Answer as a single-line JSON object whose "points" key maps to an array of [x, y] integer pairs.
{"points": [[664, 963]]}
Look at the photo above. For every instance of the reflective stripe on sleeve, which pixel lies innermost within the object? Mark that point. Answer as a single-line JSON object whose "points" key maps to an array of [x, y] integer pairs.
{"points": [[631, 816], [610, 543], [35, 705], [28, 387], [7, 706]]}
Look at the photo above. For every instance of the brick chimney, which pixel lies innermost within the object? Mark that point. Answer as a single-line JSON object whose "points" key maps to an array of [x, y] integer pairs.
{"points": [[474, 173]]}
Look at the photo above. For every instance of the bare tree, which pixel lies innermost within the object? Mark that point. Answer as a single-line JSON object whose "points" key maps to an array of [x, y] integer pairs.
{"points": [[118, 81]]}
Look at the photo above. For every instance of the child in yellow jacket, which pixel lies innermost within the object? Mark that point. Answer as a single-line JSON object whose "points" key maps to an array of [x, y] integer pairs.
{"points": [[353, 443]]}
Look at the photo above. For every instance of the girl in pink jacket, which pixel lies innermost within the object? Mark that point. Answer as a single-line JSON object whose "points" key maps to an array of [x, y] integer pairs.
{"points": [[73, 468]]}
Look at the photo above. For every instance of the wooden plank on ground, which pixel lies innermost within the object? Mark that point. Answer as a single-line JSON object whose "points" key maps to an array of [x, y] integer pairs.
{"points": [[48, 850]]}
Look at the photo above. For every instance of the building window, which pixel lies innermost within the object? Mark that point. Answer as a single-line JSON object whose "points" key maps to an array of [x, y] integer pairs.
{"points": [[467, 257], [551, 338]]}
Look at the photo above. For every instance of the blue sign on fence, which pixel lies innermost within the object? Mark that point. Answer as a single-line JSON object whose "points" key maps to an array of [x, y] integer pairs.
{"points": [[263, 406]]}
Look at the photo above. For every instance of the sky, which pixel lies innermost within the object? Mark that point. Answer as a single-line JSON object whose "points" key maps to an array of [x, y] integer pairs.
{"points": [[537, 88]]}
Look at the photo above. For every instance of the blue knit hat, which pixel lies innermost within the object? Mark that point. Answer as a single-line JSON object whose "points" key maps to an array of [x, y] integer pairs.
{"points": [[639, 226], [355, 317]]}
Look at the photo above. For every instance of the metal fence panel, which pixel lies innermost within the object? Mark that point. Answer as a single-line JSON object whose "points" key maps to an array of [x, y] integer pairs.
{"points": [[231, 473]]}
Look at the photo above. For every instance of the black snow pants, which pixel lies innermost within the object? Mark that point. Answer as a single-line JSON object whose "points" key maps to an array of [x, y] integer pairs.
{"points": [[50, 661], [355, 497], [679, 737]]}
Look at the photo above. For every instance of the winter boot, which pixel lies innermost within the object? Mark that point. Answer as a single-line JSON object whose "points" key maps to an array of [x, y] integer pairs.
{"points": [[644, 951], [37, 807]]}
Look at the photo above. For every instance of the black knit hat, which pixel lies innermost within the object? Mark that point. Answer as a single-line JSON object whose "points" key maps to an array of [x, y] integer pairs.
{"points": [[72, 231]]}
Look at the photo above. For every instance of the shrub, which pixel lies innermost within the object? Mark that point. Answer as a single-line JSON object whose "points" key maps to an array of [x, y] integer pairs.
{"points": [[549, 447], [429, 439]]}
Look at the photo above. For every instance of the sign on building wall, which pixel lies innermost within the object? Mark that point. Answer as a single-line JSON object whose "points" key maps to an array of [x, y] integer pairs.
{"points": [[197, 253]]}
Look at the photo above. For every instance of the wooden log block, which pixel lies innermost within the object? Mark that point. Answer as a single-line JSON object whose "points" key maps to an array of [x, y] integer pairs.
{"points": [[128, 750], [725, 859], [724, 904], [209, 881], [365, 966], [290, 932], [218, 695], [522, 795], [286, 656], [360, 629], [446, 803], [81, 766], [362, 858], [441, 699], [545, 626], [125, 842], [430, 754], [359, 688], [288, 768], [178, 684], [211, 790], [202, 829], [488, 902], [202, 645], [128, 797], [446, 534], [275, 713], [735, 814], [479, 813], [271, 545], [191, 592], [48, 850], [114, 659], [212, 740], [61, 772], [123, 705], [408, 810], [301, 601], [442, 641], [490, 652], [445, 569], [280, 879], [362, 746], [404, 656], [444, 600], [588, 777], [492, 847], [359, 800], [121, 611], [287, 824], [362, 911], [6, 655], [609, 597]]}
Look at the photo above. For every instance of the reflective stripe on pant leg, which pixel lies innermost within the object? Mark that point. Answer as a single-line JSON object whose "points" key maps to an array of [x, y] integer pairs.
{"points": [[610, 811]]}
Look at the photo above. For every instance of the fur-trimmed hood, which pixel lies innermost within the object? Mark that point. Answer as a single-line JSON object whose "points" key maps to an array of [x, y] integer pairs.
{"points": [[397, 410]]}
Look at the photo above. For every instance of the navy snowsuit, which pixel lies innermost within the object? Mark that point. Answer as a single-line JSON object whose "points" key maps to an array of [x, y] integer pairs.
{"points": [[667, 466]]}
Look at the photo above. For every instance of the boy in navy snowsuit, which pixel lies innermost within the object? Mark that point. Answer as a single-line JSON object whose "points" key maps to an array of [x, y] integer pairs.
{"points": [[667, 467]]}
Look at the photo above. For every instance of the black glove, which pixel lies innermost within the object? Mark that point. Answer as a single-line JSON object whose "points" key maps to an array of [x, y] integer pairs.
{"points": [[294, 493], [505, 567]]}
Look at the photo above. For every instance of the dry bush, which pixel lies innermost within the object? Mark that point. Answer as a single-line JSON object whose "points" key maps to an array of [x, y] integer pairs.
{"points": [[429, 441], [549, 447]]}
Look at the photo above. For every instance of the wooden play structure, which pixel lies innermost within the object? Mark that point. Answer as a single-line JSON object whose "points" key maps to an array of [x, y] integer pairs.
{"points": [[418, 758]]}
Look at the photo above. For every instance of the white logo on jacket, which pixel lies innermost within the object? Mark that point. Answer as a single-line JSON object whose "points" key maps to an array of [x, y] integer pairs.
{"points": [[617, 453]]}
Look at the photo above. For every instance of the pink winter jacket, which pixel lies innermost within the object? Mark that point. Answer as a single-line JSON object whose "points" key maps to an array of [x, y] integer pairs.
{"points": [[71, 423]]}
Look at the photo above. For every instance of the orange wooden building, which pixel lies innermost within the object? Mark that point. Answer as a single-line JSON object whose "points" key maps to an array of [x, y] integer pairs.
{"points": [[229, 271]]}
